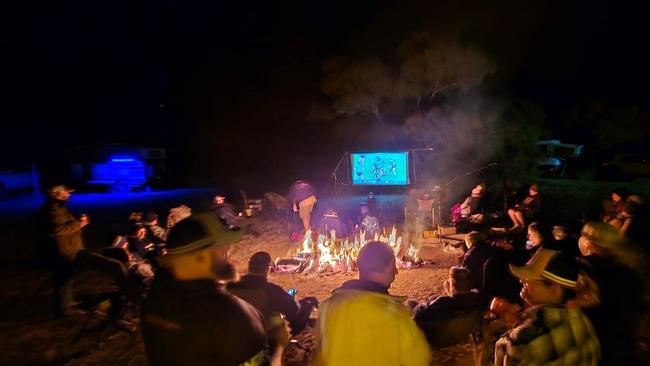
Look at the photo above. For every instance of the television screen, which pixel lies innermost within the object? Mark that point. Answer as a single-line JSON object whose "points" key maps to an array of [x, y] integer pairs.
{"points": [[380, 168]]}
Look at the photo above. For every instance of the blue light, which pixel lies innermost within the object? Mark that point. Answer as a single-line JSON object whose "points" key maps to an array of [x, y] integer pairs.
{"points": [[122, 160]]}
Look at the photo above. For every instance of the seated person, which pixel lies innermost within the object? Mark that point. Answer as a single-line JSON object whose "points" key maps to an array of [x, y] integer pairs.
{"points": [[472, 208], [611, 208], [449, 319], [528, 209], [534, 239], [367, 221], [269, 298], [549, 332], [137, 241], [479, 251], [624, 218], [563, 241], [139, 251], [155, 233], [617, 285], [176, 214], [226, 213], [363, 324], [332, 222]]}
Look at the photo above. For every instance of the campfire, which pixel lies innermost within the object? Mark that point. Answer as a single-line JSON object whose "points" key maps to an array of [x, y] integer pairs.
{"points": [[329, 254]]}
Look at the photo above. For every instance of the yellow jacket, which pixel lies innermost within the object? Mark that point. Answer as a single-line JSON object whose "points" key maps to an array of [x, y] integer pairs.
{"points": [[358, 327]]}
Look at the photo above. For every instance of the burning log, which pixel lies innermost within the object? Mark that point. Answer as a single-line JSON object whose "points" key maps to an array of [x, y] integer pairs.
{"points": [[329, 254]]}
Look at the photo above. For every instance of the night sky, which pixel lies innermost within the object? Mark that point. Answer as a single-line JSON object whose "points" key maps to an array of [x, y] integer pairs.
{"points": [[165, 73]]}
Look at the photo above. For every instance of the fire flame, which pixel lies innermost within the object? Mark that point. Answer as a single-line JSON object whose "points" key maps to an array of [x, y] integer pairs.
{"points": [[326, 253]]}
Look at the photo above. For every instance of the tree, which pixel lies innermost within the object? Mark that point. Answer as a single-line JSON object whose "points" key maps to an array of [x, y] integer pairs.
{"points": [[357, 86], [430, 68]]}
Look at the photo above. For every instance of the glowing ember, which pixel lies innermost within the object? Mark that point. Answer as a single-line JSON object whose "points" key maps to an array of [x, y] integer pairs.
{"points": [[327, 253]]}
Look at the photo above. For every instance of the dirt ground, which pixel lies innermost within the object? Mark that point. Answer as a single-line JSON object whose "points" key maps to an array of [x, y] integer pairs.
{"points": [[30, 336]]}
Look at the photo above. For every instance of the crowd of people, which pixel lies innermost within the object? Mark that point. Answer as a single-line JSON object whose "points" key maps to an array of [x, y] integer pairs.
{"points": [[537, 292], [534, 293]]}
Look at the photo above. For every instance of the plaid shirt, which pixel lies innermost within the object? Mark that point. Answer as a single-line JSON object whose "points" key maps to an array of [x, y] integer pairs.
{"points": [[549, 335]]}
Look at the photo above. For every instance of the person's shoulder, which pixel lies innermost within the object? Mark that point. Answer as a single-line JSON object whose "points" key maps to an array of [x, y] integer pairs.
{"points": [[227, 305], [275, 288]]}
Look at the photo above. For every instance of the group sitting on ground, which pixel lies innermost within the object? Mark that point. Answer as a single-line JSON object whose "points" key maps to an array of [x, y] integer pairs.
{"points": [[543, 295]]}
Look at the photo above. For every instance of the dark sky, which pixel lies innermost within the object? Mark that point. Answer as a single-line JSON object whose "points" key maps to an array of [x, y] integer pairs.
{"points": [[155, 72]]}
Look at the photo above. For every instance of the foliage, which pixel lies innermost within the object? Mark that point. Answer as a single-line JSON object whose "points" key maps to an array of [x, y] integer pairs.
{"points": [[430, 68], [427, 70], [357, 86], [434, 92]]}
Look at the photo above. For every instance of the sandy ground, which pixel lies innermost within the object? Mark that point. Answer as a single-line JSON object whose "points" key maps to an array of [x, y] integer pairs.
{"points": [[29, 335]]}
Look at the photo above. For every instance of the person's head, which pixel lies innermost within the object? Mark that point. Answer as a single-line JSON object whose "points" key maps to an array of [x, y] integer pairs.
{"points": [[376, 263], [219, 199], [600, 238], [198, 247], [259, 264], [629, 209], [472, 238], [559, 232], [151, 218], [533, 190], [60, 192], [459, 280], [135, 217], [138, 231], [549, 278], [535, 234], [478, 190], [364, 209], [619, 194]]}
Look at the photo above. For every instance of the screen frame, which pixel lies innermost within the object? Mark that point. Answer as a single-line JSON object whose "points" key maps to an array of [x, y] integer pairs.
{"points": [[408, 167]]}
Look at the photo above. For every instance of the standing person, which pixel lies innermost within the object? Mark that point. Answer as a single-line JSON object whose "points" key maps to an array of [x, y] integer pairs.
{"points": [[64, 230], [188, 318], [550, 332], [65, 236], [362, 324], [302, 196]]}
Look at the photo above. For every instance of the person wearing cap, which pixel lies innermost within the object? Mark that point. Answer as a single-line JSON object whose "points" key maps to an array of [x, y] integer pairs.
{"points": [[611, 262], [188, 318], [64, 233], [302, 196], [362, 324], [550, 332], [270, 298], [528, 209]]}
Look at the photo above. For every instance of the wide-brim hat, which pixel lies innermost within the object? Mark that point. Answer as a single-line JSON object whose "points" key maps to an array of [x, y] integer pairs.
{"points": [[604, 235], [551, 266], [199, 232]]}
